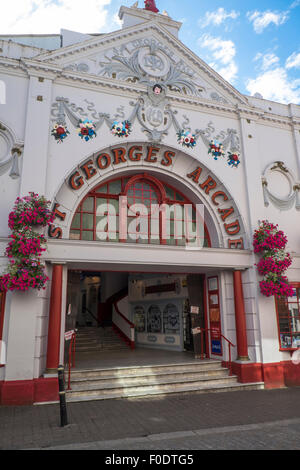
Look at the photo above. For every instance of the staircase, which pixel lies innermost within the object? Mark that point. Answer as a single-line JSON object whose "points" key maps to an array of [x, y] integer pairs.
{"points": [[96, 339], [128, 382]]}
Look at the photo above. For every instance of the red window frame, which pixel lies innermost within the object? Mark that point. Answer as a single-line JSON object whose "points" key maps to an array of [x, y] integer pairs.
{"points": [[126, 184], [2, 310], [288, 317]]}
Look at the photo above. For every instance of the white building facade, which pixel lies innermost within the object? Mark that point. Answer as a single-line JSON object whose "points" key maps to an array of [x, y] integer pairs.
{"points": [[143, 76]]}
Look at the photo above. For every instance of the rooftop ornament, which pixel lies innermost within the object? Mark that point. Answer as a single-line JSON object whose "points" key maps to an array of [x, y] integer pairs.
{"points": [[150, 6]]}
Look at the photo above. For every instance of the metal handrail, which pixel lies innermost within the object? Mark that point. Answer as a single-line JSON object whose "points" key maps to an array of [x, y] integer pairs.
{"points": [[230, 344], [71, 358], [92, 315], [123, 316], [132, 326]]}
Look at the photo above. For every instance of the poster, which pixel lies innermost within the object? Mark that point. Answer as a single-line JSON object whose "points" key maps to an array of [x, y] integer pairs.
{"points": [[214, 316]]}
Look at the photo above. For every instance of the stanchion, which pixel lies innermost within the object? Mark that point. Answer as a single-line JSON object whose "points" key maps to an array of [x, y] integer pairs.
{"points": [[62, 396]]}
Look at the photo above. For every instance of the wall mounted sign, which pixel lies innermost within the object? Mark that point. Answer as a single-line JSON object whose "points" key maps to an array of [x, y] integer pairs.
{"points": [[194, 309], [152, 155]]}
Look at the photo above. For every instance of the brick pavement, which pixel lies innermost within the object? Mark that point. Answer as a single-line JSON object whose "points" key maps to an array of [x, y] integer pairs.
{"points": [[278, 435], [39, 426]]}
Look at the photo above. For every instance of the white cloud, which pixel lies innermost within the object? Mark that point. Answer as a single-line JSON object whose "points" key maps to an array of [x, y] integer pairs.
{"points": [[275, 85], [217, 17], [293, 61], [295, 4], [268, 60], [262, 20], [49, 16], [223, 53]]}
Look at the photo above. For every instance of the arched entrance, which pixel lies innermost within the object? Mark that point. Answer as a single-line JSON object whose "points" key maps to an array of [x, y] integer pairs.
{"points": [[146, 287], [157, 213]]}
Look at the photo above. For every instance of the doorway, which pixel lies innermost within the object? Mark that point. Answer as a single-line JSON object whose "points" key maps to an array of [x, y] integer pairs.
{"points": [[156, 305]]}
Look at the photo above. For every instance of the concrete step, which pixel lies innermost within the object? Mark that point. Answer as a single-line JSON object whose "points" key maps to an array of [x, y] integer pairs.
{"points": [[101, 347], [220, 387], [138, 380], [158, 385], [162, 379], [149, 369], [96, 339]]}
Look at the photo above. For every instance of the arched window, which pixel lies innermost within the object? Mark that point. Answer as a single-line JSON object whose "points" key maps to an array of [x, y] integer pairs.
{"points": [[155, 213]]}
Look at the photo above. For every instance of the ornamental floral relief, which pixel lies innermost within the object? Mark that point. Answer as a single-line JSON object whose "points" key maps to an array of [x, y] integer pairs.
{"points": [[153, 111]]}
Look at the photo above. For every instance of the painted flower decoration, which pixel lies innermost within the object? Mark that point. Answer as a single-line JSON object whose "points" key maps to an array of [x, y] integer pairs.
{"points": [[121, 129], [216, 149], [233, 159], [186, 139], [87, 130], [60, 132]]}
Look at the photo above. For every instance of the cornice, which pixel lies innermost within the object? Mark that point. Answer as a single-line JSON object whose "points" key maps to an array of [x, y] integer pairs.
{"points": [[33, 67]]}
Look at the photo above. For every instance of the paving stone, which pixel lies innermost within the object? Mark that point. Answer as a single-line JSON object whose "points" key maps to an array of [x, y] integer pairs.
{"points": [[90, 422]]}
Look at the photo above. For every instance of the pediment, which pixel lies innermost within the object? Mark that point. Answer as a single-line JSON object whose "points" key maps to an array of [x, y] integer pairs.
{"points": [[145, 54]]}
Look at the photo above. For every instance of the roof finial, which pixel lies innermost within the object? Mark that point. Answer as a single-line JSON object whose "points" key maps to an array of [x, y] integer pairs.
{"points": [[150, 5]]}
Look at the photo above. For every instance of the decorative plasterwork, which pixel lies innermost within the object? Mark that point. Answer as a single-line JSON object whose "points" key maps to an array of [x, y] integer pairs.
{"points": [[10, 151], [83, 50], [280, 187], [153, 112]]}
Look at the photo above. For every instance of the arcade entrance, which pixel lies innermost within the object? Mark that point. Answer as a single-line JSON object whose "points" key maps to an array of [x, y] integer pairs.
{"points": [[121, 310]]}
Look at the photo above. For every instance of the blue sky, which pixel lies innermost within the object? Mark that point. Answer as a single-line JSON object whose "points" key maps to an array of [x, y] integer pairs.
{"points": [[255, 45]]}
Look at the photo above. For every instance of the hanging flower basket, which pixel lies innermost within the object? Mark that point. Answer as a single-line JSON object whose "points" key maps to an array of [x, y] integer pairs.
{"points": [[29, 274], [186, 139], [233, 159], [269, 238], [271, 243], [276, 286], [216, 149], [60, 132], [121, 129], [25, 244], [30, 210], [273, 264], [25, 269], [87, 130]]}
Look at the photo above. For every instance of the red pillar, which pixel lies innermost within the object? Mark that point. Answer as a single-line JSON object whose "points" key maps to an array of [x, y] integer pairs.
{"points": [[240, 317], [54, 319]]}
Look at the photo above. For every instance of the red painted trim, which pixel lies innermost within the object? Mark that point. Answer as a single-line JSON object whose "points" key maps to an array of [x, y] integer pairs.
{"points": [[274, 375], [205, 300], [27, 392], [55, 317], [123, 316], [247, 373], [46, 389], [240, 315], [2, 310], [297, 286], [123, 336]]}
